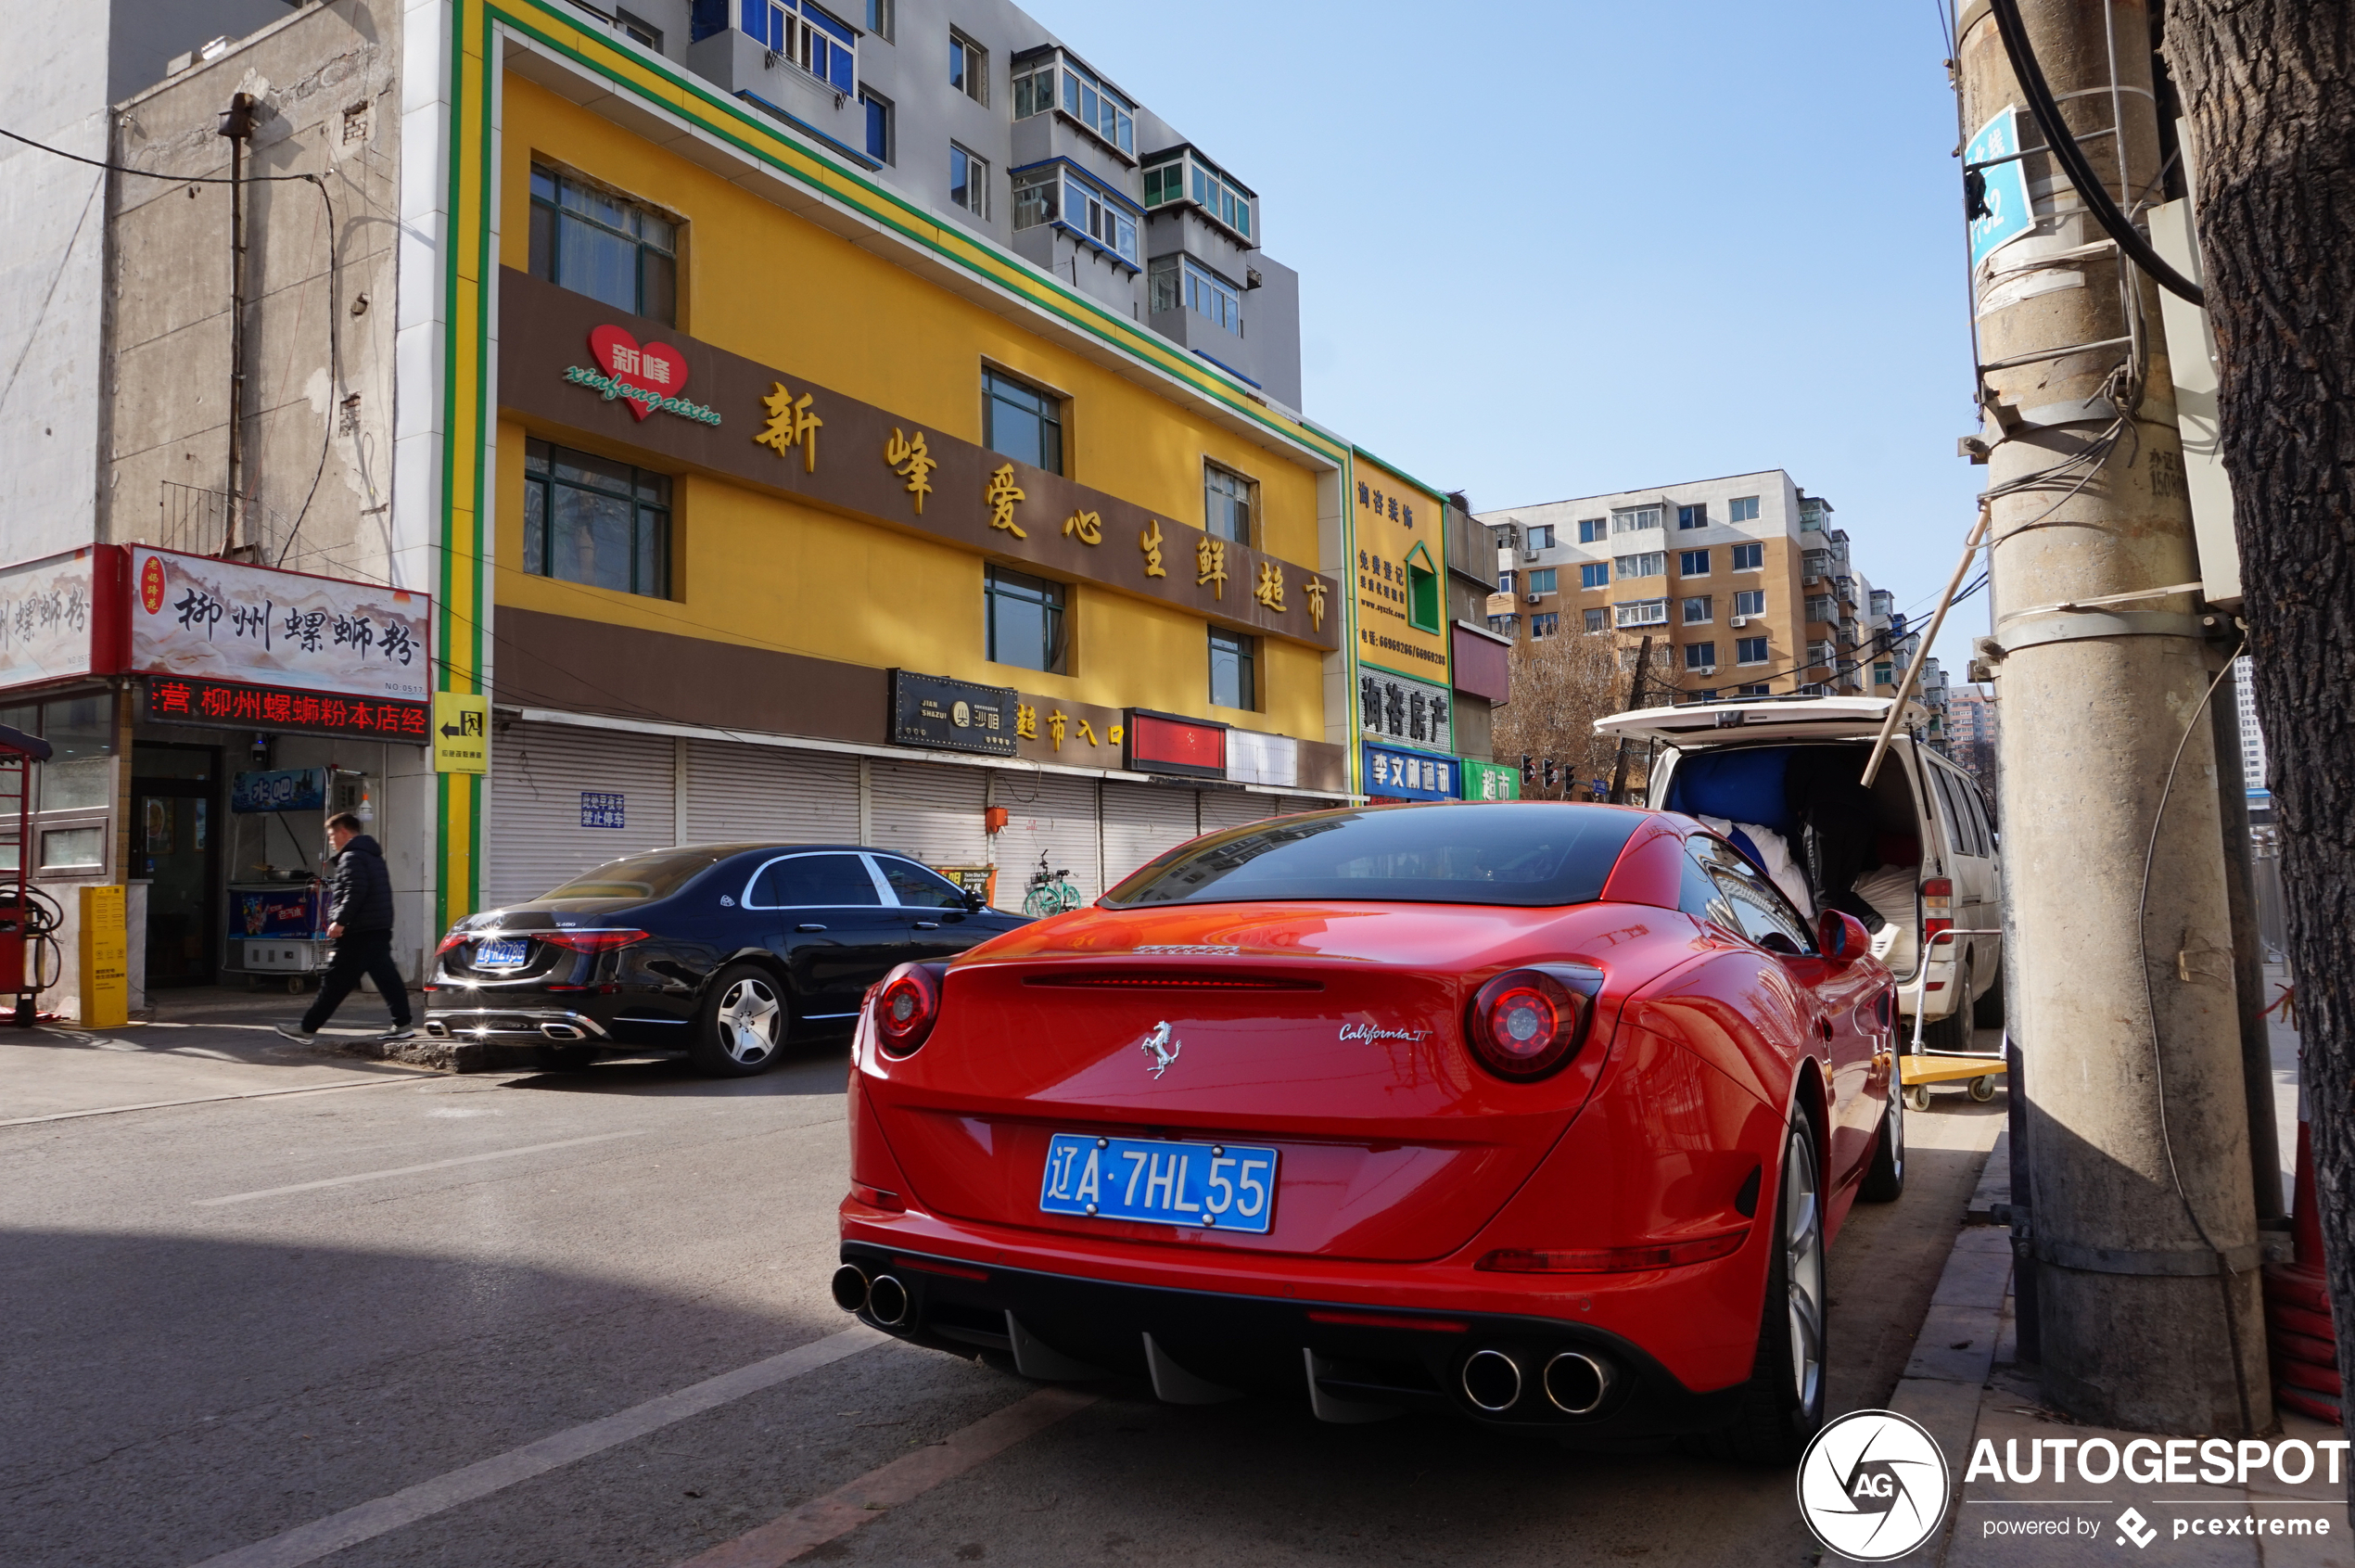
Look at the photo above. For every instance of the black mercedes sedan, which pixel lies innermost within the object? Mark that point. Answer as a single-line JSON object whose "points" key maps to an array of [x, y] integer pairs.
{"points": [[717, 952]]}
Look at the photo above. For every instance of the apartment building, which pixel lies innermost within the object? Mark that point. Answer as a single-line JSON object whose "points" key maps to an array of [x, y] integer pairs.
{"points": [[1743, 580], [1972, 730]]}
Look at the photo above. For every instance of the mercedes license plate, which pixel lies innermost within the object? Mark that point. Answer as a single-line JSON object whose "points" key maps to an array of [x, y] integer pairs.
{"points": [[500, 954], [1215, 1186]]}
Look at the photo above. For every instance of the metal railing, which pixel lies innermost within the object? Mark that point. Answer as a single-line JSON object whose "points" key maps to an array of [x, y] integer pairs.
{"points": [[197, 520]]}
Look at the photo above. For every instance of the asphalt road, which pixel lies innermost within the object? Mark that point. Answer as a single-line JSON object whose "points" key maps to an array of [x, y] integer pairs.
{"points": [[580, 1320]]}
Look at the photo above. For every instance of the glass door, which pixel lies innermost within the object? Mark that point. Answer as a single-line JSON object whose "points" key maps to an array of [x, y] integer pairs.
{"points": [[175, 845]]}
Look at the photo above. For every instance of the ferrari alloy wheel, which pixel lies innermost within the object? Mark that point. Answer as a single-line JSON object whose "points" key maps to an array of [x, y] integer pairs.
{"points": [[1885, 1181], [742, 1027], [1782, 1406]]}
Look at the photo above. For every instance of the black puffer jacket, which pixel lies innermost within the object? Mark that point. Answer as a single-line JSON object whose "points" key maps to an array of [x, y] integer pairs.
{"points": [[361, 888]]}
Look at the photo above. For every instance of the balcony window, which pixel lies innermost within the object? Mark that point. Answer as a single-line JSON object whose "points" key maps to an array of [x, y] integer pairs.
{"points": [[595, 520], [1642, 612], [1024, 617], [1234, 665], [802, 35], [1651, 563], [601, 245], [1633, 519], [1180, 280], [1021, 422], [1504, 583], [1185, 176], [1055, 192]]}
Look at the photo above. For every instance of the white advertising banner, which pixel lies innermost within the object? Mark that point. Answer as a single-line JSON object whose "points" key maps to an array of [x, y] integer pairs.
{"points": [[45, 609], [224, 620]]}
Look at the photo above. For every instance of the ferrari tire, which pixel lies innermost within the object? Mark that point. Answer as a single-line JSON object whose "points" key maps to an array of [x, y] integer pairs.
{"points": [[1783, 1403], [741, 1029], [1885, 1180]]}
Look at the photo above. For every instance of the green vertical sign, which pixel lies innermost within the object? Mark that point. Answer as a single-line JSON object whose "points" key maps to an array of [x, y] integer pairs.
{"points": [[1490, 781]]}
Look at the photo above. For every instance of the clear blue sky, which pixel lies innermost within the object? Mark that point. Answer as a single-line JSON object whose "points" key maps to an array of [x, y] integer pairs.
{"points": [[1557, 250]]}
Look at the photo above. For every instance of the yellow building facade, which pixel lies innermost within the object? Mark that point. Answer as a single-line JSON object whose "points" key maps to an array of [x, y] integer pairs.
{"points": [[857, 529]]}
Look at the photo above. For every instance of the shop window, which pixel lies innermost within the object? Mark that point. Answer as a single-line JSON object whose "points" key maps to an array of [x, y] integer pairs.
{"points": [[1025, 619], [73, 848], [1234, 670], [81, 735], [598, 244], [1021, 422], [1229, 500], [595, 520]]}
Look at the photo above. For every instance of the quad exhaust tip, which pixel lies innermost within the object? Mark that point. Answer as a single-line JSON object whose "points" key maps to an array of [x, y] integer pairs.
{"points": [[887, 1301], [849, 1287], [1577, 1382], [1492, 1381]]}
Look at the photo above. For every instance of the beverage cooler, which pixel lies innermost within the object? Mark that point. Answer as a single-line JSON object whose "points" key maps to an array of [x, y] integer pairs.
{"points": [[278, 928]]}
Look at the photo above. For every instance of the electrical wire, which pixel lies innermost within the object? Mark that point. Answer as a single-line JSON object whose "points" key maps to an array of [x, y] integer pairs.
{"points": [[2071, 157], [152, 174], [2224, 1273]]}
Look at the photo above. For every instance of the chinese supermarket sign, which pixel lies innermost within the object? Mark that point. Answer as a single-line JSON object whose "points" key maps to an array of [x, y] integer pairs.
{"points": [[645, 376], [224, 621], [177, 700]]}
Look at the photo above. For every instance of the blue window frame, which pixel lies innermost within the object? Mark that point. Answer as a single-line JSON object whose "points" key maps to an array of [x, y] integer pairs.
{"points": [[878, 125], [1594, 575], [1544, 581], [1593, 530], [805, 36], [1057, 193], [1692, 563], [1749, 558], [1693, 516]]}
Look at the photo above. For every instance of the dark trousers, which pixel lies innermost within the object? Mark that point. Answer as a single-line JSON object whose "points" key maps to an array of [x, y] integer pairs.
{"points": [[358, 953]]}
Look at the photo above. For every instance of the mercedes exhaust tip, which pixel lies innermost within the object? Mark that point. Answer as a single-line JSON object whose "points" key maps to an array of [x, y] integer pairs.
{"points": [[562, 1031], [1577, 1382], [1492, 1381], [887, 1301], [849, 1288]]}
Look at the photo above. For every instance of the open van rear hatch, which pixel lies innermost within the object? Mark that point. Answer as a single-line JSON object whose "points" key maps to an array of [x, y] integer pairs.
{"points": [[1760, 719]]}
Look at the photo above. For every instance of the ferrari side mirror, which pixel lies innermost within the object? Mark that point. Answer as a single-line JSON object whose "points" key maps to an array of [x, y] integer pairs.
{"points": [[1840, 937]]}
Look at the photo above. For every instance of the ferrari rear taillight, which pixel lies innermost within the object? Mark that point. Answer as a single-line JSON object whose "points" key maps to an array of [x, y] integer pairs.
{"points": [[906, 1008], [1524, 1024], [1938, 908], [590, 941]]}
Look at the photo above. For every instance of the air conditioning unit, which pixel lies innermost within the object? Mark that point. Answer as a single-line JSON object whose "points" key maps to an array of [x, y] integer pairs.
{"points": [[1537, 598], [1700, 669], [1739, 620], [1529, 556]]}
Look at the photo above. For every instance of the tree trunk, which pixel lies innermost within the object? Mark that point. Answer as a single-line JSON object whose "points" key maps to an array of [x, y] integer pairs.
{"points": [[2268, 88]]}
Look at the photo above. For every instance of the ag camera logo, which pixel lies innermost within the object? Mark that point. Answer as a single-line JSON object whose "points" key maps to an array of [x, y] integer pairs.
{"points": [[1873, 1485]]}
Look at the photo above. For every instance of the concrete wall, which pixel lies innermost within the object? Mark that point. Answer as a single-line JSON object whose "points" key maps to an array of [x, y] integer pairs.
{"points": [[318, 325]]}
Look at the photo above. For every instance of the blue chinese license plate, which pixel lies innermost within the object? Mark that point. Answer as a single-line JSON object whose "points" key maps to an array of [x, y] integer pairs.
{"points": [[500, 954], [1215, 1186]]}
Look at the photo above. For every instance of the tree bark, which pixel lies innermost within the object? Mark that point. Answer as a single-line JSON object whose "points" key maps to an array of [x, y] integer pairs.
{"points": [[2268, 88]]}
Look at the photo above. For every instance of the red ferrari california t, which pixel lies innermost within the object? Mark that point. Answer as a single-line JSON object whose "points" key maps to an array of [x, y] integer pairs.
{"points": [[1541, 1113]]}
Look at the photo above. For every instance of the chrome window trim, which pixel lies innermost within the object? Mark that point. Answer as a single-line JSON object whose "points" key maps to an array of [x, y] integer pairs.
{"points": [[744, 899]]}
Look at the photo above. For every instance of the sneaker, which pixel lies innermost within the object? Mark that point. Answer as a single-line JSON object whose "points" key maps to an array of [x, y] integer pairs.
{"points": [[400, 1031], [296, 1031]]}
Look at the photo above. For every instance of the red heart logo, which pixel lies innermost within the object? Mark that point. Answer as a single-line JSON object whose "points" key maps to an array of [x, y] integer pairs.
{"points": [[655, 368]]}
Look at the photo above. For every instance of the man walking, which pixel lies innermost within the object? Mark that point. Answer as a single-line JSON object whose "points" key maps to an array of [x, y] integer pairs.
{"points": [[360, 922]]}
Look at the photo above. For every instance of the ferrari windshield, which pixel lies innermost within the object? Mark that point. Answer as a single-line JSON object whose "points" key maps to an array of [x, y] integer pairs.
{"points": [[1529, 855], [641, 876]]}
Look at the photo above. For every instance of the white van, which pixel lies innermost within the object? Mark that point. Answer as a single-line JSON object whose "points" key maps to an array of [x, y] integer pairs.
{"points": [[1913, 856]]}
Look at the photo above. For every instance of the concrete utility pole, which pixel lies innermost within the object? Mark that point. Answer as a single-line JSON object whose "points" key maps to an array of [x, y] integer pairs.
{"points": [[2121, 981]]}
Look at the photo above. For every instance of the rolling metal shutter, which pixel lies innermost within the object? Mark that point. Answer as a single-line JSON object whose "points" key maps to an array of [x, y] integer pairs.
{"points": [[737, 792], [1049, 814], [1141, 821], [930, 812], [1306, 803], [1234, 808], [539, 772]]}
